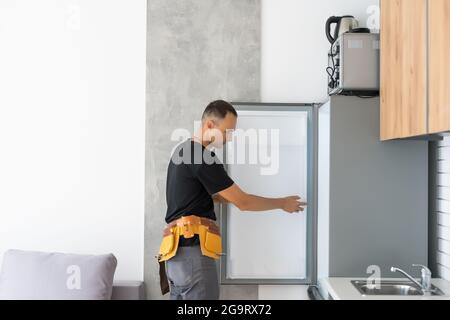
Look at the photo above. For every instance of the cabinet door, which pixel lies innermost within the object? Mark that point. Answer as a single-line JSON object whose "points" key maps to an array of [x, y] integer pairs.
{"points": [[403, 88], [439, 66]]}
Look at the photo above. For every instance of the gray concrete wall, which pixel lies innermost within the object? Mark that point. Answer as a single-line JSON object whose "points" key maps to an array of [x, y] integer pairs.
{"points": [[197, 51]]}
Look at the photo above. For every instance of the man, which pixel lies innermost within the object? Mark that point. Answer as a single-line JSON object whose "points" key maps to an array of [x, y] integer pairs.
{"points": [[193, 183]]}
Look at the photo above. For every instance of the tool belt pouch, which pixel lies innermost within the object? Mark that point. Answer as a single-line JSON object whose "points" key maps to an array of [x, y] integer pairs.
{"points": [[169, 245], [210, 242], [167, 250]]}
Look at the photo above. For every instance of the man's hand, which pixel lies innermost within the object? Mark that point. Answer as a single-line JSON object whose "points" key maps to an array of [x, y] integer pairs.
{"points": [[249, 202], [293, 204]]}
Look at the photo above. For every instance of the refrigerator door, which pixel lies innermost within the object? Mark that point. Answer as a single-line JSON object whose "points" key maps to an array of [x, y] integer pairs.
{"points": [[269, 156]]}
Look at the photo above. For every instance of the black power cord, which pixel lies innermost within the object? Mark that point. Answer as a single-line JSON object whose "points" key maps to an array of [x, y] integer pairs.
{"points": [[331, 71]]}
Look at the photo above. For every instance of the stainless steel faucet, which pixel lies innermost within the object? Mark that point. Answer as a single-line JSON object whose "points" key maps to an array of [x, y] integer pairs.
{"points": [[425, 277], [425, 284]]}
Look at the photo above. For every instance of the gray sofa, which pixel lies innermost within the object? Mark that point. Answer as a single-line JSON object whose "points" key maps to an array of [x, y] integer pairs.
{"points": [[33, 275], [128, 290]]}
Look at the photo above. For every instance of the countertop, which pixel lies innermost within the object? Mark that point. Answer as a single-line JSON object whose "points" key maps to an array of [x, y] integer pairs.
{"points": [[343, 289]]}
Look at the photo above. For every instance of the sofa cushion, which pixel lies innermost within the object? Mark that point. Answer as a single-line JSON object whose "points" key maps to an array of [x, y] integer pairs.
{"points": [[31, 275]]}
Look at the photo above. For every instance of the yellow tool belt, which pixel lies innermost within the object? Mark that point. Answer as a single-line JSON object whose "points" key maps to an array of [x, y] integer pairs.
{"points": [[206, 229]]}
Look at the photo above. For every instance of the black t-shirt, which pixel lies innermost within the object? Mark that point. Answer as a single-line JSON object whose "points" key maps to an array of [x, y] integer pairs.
{"points": [[194, 175]]}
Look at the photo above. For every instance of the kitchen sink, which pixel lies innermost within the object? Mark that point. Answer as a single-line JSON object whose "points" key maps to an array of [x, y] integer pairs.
{"points": [[393, 288]]}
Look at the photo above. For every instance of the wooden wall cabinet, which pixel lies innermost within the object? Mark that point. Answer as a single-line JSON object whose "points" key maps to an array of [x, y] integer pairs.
{"points": [[439, 66], [415, 72], [403, 63]]}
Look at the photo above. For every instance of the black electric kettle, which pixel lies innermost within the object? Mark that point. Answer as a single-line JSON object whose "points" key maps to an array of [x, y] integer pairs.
{"points": [[343, 24]]}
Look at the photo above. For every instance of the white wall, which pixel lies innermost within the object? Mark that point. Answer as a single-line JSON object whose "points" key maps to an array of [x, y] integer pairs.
{"points": [[293, 62], [72, 124], [294, 45], [443, 209]]}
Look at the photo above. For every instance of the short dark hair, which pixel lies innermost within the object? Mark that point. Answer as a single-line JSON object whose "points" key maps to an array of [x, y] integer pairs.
{"points": [[219, 109]]}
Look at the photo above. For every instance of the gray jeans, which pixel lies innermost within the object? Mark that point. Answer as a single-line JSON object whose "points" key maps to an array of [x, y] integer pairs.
{"points": [[192, 276]]}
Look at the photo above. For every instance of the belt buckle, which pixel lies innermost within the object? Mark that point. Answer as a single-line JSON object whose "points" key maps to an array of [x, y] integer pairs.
{"points": [[186, 228]]}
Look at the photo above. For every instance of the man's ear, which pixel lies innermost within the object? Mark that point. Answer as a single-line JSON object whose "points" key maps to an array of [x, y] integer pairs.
{"points": [[210, 124]]}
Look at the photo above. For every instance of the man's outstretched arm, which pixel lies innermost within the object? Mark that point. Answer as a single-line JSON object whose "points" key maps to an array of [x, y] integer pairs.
{"points": [[219, 199], [249, 202]]}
